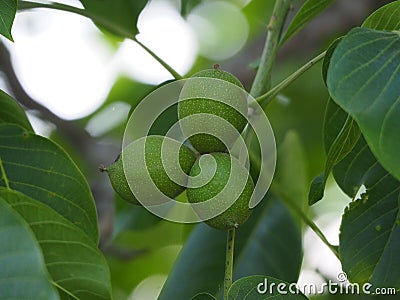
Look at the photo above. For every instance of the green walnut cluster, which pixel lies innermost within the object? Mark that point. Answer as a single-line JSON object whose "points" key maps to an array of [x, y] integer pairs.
{"points": [[224, 168]]}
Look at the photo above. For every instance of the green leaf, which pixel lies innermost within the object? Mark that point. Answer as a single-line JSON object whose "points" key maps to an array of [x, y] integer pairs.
{"points": [[370, 240], [385, 18], [306, 13], [370, 230], [203, 255], [317, 189], [117, 16], [369, 234], [8, 9], [263, 287], [11, 112], [364, 79], [203, 296], [341, 141], [72, 259], [42, 170], [22, 272]]}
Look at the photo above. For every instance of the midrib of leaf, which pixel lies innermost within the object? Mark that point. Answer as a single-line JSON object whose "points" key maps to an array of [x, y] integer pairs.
{"points": [[58, 263], [64, 290]]}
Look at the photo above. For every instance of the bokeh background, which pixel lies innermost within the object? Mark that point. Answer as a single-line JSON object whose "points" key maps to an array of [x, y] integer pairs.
{"points": [[78, 85]]}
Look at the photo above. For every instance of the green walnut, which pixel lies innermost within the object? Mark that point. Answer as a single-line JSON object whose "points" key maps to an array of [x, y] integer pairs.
{"points": [[236, 214], [154, 165], [198, 97]]}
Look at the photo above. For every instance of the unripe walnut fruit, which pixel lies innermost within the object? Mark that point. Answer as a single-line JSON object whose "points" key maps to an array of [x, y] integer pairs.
{"points": [[232, 108], [236, 214], [154, 164]]}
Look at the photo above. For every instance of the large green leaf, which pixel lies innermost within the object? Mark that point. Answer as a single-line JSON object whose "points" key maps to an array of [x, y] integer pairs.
{"points": [[11, 112], [364, 79], [42, 170], [22, 269], [309, 10], [72, 259], [8, 8], [259, 249], [370, 236], [370, 231], [258, 287], [385, 18], [117, 16]]}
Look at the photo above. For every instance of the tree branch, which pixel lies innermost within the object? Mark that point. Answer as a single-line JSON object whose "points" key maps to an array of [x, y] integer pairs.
{"points": [[262, 81]]}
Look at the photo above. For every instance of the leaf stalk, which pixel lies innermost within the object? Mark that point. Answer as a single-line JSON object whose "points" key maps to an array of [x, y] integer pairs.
{"points": [[266, 98]]}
